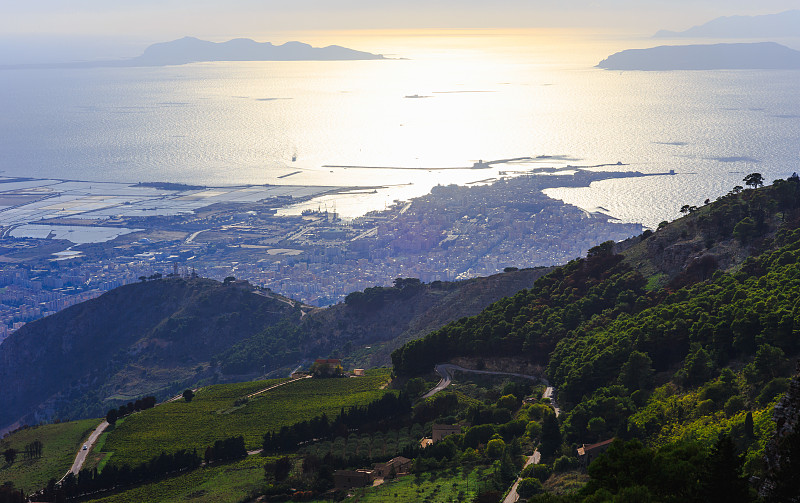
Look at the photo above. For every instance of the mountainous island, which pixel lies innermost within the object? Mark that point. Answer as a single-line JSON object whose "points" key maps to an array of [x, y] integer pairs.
{"points": [[193, 50], [659, 368], [782, 24], [745, 56]]}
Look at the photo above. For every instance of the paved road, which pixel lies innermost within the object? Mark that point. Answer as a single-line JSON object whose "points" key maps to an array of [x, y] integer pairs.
{"points": [[81, 456], [445, 370], [548, 393], [512, 495]]}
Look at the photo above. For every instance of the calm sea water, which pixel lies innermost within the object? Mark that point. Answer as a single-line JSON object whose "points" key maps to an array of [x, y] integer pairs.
{"points": [[241, 123]]}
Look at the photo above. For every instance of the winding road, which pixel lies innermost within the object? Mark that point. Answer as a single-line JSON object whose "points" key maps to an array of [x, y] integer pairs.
{"points": [[446, 370]]}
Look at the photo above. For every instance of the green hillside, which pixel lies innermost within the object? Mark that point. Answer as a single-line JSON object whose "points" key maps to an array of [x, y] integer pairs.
{"points": [[230, 483], [161, 336], [219, 412], [677, 344], [59, 441], [683, 362], [151, 337]]}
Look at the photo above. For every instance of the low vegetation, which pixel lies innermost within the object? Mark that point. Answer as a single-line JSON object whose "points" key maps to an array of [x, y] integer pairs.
{"points": [[60, 442], [213, 414], [228, 483]]}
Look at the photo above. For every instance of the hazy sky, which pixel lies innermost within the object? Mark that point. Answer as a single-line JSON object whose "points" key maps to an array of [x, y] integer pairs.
{"points": [[137, 23]]}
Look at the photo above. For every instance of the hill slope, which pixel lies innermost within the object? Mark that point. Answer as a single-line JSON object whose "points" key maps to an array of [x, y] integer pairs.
{"points": [[162, 336], [591, 292], [671, 352], [136, 339], [783, 24]]}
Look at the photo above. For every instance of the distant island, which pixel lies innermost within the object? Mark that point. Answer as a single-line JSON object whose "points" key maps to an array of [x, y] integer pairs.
{"points": [[783, 24], [755, 56], [193, 50]]}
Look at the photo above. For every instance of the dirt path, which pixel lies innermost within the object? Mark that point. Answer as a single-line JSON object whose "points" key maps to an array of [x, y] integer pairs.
{"points": [[251, 395]]}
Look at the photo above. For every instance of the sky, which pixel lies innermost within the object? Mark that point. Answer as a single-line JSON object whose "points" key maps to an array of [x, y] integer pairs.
{"points": [[113, 28]]}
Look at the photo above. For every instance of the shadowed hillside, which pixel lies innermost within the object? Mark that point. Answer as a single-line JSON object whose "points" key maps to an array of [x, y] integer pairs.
{"points": [[136, 339], [161, 336]]}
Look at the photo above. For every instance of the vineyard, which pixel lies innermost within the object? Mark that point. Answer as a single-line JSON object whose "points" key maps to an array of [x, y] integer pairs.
{"points": [[221, 411], [60, 443]]}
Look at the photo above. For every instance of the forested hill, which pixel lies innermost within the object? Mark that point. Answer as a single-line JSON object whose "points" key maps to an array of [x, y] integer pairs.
{"points": [[370, 324], [147, 337], [160, 336], [636, 352], [721, 241]]}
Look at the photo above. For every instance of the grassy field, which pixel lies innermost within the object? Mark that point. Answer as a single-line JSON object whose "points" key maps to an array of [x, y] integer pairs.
{"points": [[213, 415], [437, 487], [61, 443], [228, 483]]}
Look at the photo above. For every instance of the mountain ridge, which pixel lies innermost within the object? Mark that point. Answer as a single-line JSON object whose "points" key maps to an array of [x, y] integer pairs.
{"points": [[739, 56], [782, 24], [188, 50]]}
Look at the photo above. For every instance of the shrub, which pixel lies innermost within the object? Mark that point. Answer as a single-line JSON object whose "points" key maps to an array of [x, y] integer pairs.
{"points": [[542, 472], [565, 464], [734, 405], [529, 487]]}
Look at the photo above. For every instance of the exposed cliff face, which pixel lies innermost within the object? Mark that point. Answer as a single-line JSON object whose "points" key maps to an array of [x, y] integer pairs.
{"points": [[782, 456]]}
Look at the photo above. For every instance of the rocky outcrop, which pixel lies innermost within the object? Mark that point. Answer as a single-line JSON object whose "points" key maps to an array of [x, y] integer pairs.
{"points": [[781, 455]]}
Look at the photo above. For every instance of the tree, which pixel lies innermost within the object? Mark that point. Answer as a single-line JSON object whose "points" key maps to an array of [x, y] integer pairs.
{"points": [[551, 435], [495, 448], [509, 402], [637, 372], [768, 364], [228, 280], [697, 368], [415, 387], [33, 450], [10, 455], [111, 416], [748, 425], [745, 229], [726, 482], [188, 395], [533, 430], [754, 180], [597, 427], [282, 468]]}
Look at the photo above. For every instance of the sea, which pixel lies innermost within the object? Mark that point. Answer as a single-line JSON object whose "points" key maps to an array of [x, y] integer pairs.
{"points": [[441, 102]]}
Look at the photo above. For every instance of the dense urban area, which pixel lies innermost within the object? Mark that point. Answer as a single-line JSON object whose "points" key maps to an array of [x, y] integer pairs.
{"points": [[452, 233]]}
